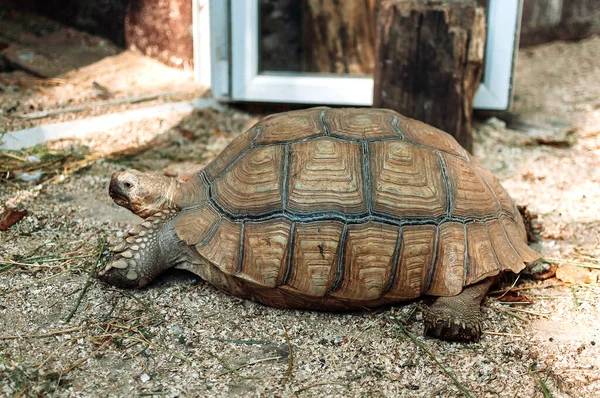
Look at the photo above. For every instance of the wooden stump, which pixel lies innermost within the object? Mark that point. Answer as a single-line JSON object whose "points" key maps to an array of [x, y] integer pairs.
{"points": [[429, 61], [339, 36]]}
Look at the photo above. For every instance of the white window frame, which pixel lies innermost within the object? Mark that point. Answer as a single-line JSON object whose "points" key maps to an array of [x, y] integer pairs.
{"points": [[235, 75]]}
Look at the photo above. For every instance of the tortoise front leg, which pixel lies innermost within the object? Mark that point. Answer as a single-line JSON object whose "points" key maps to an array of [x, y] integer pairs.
{"points": [[458, 318], [146, 251]]}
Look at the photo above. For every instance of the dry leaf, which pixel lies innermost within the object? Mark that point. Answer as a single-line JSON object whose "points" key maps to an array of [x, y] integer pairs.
{"points": [[187, 134], [514, 297], [10, 217], [574, 274]]}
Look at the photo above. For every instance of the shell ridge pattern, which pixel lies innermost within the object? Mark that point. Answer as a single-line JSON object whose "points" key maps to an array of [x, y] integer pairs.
{"points": [[487, 183], [211, 233], [257, 132], [240, 263], [506, 236], [233, 163], [322, 119], [500, 266], [285, 177], [403, 137], [351, 219], [339, 271], [367, 177], [434, 259], [466, 261], [447, 184], [395, 121], [290, 250], [395, 265], [350, 139]]}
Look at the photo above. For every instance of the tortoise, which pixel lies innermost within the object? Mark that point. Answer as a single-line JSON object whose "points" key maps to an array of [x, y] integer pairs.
{"points": [[330, 209]]}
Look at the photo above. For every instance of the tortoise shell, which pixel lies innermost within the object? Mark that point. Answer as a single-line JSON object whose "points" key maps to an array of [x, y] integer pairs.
{"points": [[338, 208]]}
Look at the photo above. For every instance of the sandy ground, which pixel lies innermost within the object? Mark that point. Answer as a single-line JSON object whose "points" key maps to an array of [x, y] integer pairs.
{"points": [[181, 337]]}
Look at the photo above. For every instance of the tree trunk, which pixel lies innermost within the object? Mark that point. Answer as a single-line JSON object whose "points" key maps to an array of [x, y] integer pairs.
{"points": [[339, 36], [429, 61]]}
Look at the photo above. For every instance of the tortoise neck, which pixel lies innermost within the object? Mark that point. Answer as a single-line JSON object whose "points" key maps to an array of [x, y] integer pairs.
{"points": [[165, 201]]}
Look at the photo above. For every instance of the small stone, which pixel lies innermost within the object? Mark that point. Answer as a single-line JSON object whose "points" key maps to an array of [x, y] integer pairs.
{"points": [[177, 330], [29, 177], [144, 377]]}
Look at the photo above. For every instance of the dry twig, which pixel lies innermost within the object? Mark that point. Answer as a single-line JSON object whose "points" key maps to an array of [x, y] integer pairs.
{"points": [[288, 372]]}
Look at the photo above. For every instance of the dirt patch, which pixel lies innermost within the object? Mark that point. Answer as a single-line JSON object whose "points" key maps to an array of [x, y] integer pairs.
{"points": [[182, 337]]}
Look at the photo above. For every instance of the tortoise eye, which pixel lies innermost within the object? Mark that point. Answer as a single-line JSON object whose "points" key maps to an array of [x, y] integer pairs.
{"points": [[128, 185]]}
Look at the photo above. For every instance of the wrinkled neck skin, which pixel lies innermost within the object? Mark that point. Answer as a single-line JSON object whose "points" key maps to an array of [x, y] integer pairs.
{"points": [[167, 186]]}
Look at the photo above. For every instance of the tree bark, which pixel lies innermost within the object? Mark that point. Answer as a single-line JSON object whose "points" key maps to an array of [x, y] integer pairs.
{"points": [[429, 61], [339, 36]]}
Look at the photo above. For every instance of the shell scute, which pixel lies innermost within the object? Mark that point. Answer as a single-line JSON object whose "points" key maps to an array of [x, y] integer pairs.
{"points": [[265, 252], [449, 273], [314, 257], [223, 248], [326, 175], [368, 261], [470, 195], [236, 148], [482, 259], [254, 184], [430, 136], [360, 125], [195, 225], [192, 193], [506, 253], [406, 180], [416, 258], [291, 126]]}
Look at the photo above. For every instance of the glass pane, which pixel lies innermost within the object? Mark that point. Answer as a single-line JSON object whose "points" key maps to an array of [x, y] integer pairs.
{"points": [[317, 36]]}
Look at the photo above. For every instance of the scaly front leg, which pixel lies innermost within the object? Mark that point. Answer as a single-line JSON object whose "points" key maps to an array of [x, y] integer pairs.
{"points": [[144, 252]]}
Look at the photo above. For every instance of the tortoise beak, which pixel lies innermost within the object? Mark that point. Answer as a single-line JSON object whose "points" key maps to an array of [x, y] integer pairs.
{"points": [[116, 191]]}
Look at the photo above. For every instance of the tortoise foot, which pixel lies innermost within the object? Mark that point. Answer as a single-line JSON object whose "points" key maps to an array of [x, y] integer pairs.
{"points": [[457, 318], [451, 327]]}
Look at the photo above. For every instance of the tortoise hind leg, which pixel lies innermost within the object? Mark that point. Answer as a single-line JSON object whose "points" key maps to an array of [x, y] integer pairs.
{"points": [[458, 318]]}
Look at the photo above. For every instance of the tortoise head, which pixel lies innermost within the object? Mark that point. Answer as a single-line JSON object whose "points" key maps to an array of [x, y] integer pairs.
{"points": [[142, 193]]}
